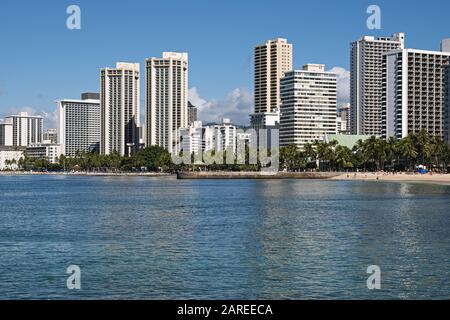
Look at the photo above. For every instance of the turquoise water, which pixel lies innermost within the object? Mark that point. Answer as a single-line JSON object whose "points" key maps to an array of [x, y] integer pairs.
{"points": [[159, 238]]}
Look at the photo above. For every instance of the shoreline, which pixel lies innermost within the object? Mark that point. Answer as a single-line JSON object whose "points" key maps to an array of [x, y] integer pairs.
{"points": [[435, 178], [219, 175], [88, 174], [442, 179]]}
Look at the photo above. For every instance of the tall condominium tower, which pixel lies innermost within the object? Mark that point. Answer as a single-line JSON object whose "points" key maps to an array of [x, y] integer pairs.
{"points": [[166, 95], [272, 60], [366, 81], [344, 118], [79, 125], [447, 106], [21, 130], [192, 114], [413, 92], [308, 105], [120, 108]]}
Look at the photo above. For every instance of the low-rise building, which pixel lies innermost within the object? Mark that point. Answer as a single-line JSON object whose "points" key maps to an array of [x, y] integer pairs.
{"points": [[218, 137], [45, 151], [10, 157], [191, 138], [346, 140], [266, 126]]}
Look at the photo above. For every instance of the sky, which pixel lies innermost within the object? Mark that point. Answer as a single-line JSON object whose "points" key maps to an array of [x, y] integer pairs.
{"points": [[41, 60]]}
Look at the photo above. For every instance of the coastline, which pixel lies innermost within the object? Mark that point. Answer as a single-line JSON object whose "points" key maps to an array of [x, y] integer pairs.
{"points": [[442, 179], [218, 175], [87, 174]]}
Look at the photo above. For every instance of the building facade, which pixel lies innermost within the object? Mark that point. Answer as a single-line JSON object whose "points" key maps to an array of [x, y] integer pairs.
{"points": [[445, 45], [120, 108], [366, 81], [191, 138], [343, 119], [51, 134], [413, 92], [45, 151], [166, 96], [6, 134], [21, 130], [225, 136], [192, 114], [266, 128], [308, 105], [79, 125], [447, 106], [272, 60]]}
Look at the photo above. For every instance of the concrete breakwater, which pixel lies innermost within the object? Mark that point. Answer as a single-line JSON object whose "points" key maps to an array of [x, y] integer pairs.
{"points": [[256, 175]]}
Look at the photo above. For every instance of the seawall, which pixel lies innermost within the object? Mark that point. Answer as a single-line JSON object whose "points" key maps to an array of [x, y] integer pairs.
{"points": [[257, 175]]}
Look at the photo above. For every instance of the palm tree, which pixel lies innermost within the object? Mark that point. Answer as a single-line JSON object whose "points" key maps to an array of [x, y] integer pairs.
{"points": [[408, 150], [325, 152], [288, 156]]}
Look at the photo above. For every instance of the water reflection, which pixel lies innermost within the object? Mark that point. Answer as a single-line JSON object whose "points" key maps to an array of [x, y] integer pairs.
{"points": [[163, 238]]}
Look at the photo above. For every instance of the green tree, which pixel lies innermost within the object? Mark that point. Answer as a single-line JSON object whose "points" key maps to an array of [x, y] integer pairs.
{"points": [[154, 158]]}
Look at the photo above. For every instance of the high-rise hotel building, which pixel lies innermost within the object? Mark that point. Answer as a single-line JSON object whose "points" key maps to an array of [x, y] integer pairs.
{"points": [[366, 58], [120, 108], [272, 60], [308, 105], [413, 92], [447, 106], [166, 99], [21, 130], [79, 125]]}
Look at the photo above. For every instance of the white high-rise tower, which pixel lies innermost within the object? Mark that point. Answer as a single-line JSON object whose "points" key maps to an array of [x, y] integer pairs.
{"points": [[308, 105], [414, 92], [366, 81], [21, 130], [79, 124], [120, 108], [166, 99]]}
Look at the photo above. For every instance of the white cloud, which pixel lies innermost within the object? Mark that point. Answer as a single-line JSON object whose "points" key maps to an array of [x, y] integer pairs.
{"points": [[237, 106], [50, 118], [343, 84]]}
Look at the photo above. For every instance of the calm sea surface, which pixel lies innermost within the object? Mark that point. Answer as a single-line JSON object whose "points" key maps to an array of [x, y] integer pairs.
{"points": [[159, 238]]}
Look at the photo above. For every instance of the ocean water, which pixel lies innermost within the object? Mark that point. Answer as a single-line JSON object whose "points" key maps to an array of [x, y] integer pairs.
{"points": [[160, 238]]}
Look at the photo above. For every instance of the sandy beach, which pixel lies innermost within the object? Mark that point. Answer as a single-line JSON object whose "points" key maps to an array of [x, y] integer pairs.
{"points": [[399, 177]]}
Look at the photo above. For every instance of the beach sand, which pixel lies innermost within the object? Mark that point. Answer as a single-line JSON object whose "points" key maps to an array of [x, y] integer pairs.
{"points": [[400, 177]]}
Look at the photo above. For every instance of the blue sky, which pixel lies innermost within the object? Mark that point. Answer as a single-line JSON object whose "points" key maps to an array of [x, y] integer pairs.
{"points": [[41, 60]]}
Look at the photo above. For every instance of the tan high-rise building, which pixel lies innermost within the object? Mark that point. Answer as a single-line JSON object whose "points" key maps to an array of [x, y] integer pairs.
{"points": [[120, 108], [272, 60], [166, 98]]}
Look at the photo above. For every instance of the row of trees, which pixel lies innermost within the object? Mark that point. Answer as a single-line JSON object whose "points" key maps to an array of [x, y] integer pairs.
{"points": [[154, 159], [373, 154]]}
